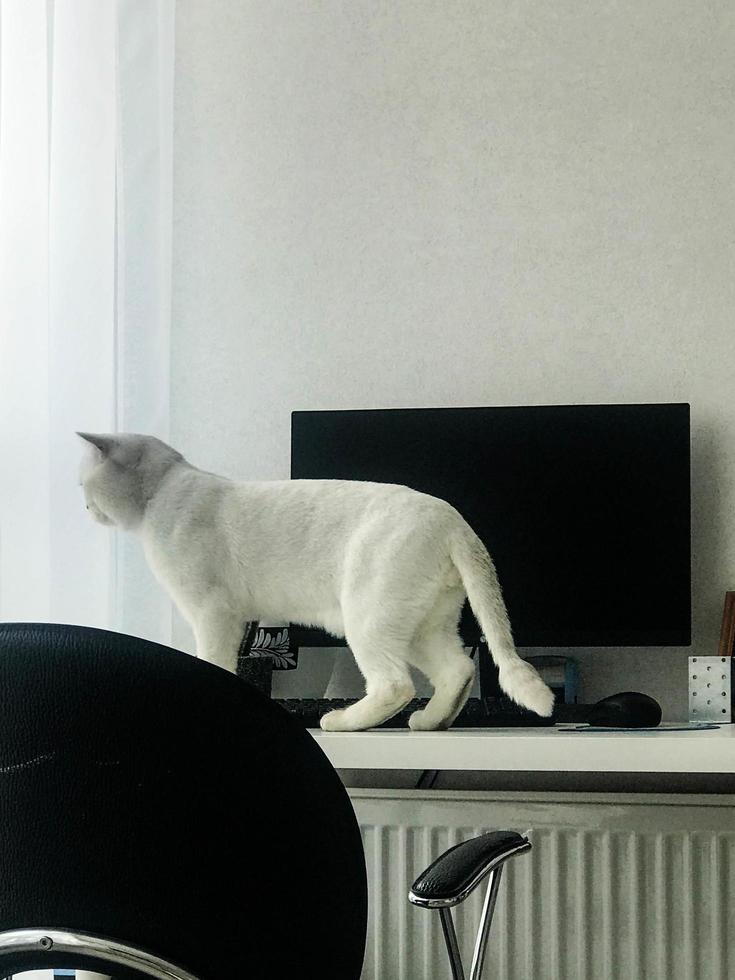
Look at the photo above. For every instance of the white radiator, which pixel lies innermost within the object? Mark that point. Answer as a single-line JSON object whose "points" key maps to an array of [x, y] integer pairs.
{"points": [[623, 887]]}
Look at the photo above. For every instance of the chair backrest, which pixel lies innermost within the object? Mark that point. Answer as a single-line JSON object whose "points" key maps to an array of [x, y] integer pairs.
{"points": [[162, 803]]}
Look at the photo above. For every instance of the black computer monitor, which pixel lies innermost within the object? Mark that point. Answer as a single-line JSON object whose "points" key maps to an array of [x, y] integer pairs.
{"points": [[585, 509]]}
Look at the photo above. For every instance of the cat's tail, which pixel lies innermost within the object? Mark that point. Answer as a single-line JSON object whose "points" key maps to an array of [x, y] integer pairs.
{"points": [[520, 681]]}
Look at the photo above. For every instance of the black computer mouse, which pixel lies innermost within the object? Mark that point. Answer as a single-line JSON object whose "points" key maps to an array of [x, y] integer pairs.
{"points": [[626, 710]]}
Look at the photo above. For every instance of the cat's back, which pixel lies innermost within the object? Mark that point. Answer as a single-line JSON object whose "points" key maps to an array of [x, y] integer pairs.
{"points": [[293, 507], [301, 509], [333, 495]]}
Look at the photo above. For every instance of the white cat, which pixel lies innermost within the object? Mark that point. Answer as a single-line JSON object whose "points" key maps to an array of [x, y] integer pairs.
{"points": [[382, 565]]}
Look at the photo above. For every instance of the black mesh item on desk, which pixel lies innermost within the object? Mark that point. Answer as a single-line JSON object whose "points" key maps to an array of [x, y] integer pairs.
{"points": [[477, 713], [160, 801]]}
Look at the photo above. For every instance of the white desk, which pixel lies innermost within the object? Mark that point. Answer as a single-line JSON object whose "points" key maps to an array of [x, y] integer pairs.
{"points": [[533, 750]]}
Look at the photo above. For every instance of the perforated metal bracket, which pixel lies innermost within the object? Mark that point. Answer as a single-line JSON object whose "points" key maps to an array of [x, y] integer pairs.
{"points": [[710, 689]]}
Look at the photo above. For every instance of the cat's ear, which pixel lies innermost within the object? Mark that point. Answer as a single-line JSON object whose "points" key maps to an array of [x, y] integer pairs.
{"points": [[104, 443]]}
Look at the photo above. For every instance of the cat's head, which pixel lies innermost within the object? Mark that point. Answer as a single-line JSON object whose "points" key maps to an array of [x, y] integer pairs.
{"points": [[121, 473]]}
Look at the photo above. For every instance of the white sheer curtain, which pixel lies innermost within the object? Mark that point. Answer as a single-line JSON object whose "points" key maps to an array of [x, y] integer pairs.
{"points": [[86, 108]]}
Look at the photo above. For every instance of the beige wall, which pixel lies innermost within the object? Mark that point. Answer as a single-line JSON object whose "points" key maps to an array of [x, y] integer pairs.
{"points": [[424, 202]]}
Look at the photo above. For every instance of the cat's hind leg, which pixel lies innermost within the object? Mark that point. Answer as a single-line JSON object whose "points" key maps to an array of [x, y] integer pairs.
{"points": [[437, 651], [452, 674], [383, 662]]}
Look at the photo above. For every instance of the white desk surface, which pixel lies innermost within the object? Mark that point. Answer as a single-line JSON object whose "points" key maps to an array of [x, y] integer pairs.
{"points": [[533, 750]]}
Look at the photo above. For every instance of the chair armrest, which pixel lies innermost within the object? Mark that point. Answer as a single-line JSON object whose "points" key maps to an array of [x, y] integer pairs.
{"points": [[456, 873]]}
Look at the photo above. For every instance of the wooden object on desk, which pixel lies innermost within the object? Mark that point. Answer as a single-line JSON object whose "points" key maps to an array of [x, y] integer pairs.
{"points": [[727, 633]]}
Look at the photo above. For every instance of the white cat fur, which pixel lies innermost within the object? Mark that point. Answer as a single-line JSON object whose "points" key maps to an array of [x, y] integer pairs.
{"points": [[382, 565]]}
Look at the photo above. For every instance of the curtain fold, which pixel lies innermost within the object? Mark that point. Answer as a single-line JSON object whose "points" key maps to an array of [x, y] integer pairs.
{"points": [[86, 121], [144, 211], [24, 417], [82, 334]]}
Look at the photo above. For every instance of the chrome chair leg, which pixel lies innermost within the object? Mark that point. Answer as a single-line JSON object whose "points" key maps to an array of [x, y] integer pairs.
{"points": [[450, 938], [488, 909]]}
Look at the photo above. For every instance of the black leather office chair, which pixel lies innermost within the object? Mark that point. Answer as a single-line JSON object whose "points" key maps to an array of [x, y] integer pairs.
{"points": [[161, 818]]}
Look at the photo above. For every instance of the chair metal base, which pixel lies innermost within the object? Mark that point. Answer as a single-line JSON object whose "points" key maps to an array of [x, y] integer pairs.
{"points": [[46, 942]]}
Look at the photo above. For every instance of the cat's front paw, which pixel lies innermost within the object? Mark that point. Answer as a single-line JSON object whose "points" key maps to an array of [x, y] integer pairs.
{"points": [[333, 721]]}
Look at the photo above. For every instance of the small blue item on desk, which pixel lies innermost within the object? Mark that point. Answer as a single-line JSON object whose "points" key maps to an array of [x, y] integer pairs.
{"points": [[561, 674]]}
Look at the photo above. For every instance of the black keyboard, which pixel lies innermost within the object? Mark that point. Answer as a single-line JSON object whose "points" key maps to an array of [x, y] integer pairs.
{"points": [[477, 713]]}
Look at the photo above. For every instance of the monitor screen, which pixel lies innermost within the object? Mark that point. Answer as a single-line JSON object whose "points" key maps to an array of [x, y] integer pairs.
{"points": [[585, 509]]}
